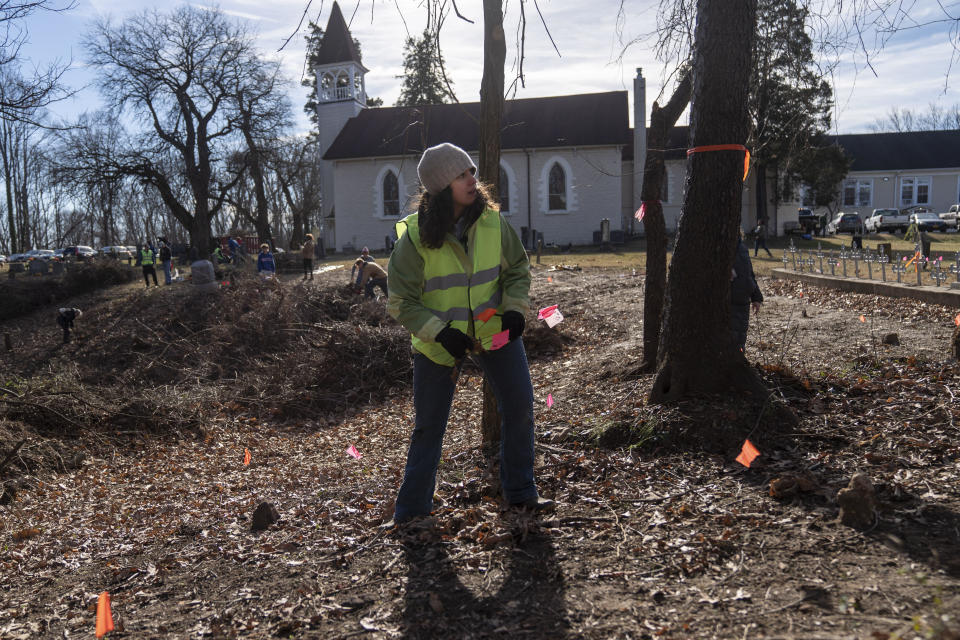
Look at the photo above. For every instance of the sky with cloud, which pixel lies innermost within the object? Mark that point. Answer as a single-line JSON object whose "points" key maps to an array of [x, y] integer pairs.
{"points": [[599, 50]]}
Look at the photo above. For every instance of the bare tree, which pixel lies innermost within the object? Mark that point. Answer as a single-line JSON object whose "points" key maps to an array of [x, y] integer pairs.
{"points": [[697, 352], [17, 143], [491, 114], [936, 118], [662, 121], [176, 72], [21, 98], [296, 165], [263, 116]]}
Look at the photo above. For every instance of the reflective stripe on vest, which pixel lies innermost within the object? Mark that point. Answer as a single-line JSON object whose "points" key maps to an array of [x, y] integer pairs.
{"points": [[146, 257], [457, 287]]}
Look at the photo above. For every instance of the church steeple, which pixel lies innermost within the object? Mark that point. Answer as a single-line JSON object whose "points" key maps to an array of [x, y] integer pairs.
{"points": [[341, 95], [338, 67]]}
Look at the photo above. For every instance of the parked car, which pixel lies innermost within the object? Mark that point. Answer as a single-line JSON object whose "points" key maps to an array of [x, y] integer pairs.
{"points": [[17, 257], [844, 223], [808, 221], [917, 208], [928, 222], [118, 252], [79, 252], [3, 258], [40, 254], [881, 220], [950, 216]]}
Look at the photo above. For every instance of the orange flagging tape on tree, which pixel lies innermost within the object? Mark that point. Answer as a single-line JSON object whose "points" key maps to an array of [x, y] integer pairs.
{"points": [[104, 616], [748, 453], [246, 456], [726, 147]]}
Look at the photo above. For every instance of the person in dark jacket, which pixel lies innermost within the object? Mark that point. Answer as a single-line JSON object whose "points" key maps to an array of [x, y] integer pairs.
{"points": [[744, 293], [65, 318], [166, 257], [761, 232]]}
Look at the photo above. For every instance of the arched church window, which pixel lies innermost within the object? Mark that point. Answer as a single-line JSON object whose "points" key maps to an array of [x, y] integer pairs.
{"points": [[391, 194], [557, 188], [504, 191]]}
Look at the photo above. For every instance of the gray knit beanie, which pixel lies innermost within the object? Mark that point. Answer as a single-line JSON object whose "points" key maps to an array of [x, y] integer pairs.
{"points": [[441, 164]]}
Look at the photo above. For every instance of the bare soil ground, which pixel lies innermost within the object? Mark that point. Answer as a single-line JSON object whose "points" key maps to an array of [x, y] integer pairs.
{"points": [[131, 478]]}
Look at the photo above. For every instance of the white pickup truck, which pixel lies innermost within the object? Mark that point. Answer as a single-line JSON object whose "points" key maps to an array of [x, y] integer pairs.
{"points": [[950, 216], [887, 220]]}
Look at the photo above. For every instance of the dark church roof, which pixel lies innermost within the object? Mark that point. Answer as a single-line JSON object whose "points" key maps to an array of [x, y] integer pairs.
{"points": [[590, 119], [337, 45], [907, 150]]}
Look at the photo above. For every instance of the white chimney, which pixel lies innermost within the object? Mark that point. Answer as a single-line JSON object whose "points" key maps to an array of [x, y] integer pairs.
{"points": [[639, 134]]}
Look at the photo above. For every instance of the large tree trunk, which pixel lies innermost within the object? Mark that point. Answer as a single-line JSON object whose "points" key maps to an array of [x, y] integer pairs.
{"points": [[262, 220], [697, 351], [661, 121], [5, 152], [491, 113]]}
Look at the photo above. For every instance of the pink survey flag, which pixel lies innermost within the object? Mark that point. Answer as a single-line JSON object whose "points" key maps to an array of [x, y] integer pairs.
{"points": [[500, 340], [549, 400], [551, 315], [546, 311], [352, 450]]}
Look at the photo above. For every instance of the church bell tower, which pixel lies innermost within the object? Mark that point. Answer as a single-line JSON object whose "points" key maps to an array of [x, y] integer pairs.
{"points": [[341, 92]]}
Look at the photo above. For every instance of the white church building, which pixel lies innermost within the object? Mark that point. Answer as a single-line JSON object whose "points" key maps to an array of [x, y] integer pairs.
{"points": [[566, 162]]}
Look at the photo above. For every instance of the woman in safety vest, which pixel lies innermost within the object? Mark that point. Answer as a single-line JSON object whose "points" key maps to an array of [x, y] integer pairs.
{"points": [[459, 281]]}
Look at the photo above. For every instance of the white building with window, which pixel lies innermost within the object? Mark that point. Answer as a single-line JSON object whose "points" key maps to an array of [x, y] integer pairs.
{"points": [[566, 162], [895, 171]]}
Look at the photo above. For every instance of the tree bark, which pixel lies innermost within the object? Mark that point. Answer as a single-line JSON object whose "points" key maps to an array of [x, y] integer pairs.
{"points": [[697, 350], [5, 151], [262, 219], [491, 113], [661, 121]]}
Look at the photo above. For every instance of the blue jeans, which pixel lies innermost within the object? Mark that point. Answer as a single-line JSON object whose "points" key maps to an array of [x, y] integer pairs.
{"points": [[509, 375], [166, 272]]}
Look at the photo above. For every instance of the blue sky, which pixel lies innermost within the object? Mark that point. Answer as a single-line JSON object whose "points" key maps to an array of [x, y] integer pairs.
{"points": [[911, 70]]}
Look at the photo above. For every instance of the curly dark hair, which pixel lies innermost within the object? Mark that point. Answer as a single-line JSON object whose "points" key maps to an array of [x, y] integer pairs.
{"points": [[436, 214]]}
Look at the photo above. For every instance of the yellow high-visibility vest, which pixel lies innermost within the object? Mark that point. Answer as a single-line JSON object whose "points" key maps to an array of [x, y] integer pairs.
{"points": [[458, 288]]}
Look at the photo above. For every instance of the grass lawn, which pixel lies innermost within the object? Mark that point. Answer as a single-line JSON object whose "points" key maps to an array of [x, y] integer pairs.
{"points": [[632, 255]]}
